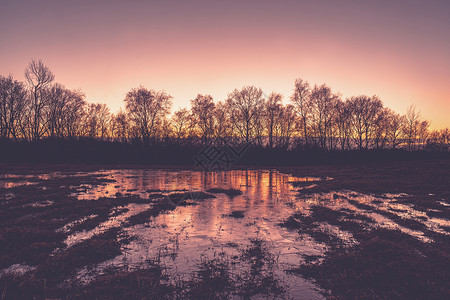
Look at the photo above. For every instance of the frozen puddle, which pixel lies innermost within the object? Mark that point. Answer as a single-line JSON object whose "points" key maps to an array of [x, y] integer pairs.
{"points": [[16, 270], [179, 239], [224, 226]]}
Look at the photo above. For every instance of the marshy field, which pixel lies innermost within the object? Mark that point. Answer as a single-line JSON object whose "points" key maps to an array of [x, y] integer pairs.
{"points": [[365, 231]]}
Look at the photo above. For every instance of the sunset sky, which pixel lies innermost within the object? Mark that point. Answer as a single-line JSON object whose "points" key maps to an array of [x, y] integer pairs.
{"points": [[399, 50]]}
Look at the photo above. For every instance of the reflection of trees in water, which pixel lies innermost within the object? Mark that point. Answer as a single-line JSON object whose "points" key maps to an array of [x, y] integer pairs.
{"points": [[258, 187]]}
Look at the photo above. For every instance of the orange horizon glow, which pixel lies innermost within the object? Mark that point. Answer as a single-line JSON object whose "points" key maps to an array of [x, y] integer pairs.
{"points": [[396, 51]]}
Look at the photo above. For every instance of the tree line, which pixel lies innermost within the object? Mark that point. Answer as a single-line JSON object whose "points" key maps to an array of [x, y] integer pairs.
{"points": [[316, 117]]}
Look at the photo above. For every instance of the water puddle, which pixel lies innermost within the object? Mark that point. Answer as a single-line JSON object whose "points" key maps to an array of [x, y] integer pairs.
{"points": [[245, 206], [8, 181], [113, 222], [16, 270], [226, 224]]}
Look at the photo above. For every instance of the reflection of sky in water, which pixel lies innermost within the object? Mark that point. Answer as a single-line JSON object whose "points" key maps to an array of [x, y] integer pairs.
{"points": [[8, 181], [387, 203], [269, 185], [181, 237]]}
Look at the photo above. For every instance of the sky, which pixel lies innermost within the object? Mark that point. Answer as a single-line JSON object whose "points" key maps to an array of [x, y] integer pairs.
{"points": [[398, 50]]}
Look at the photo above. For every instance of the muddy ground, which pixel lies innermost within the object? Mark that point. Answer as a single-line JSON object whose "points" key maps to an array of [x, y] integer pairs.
{"points": [[384, 263], [379, 263]]}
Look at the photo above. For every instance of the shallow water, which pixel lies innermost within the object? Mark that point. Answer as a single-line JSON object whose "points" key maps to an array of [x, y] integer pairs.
{"points": [[182, 238], [179, 239]]}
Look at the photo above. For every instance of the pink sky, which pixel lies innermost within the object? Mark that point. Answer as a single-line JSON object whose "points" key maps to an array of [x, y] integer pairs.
{"points": [[399, 50]]}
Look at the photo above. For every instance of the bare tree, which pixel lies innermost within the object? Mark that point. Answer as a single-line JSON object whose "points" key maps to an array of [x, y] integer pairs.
{"points": [[374, 111], [317, 115], [74, 113], [91, 121], [411, 126], [222, 127], [322, 104], [422, 132], [273, 108], [120, 126], [13, 102], [259, 126], [39, 77], [96, 121], [56, 100], [64, 111], [381, 128], [357, 111], [147, 109], [364, 110], [332, 128], [203, 108], [104, 117], [439, 139], [302, 101], [245, 108], [343, 123], [164, 131], [181, 121], [287, 121], [395, 125]]}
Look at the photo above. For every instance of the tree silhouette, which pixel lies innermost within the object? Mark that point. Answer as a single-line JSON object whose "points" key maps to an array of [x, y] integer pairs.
{"points": [[13, 102], [203, 113], [317, 117], [120, 126], [39, 77], [273, 113], [302, 101], [146, 109], [411, 126], [245, 108]]}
